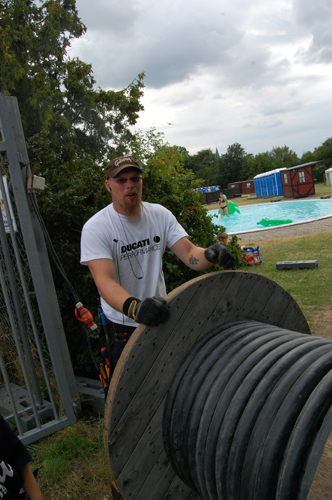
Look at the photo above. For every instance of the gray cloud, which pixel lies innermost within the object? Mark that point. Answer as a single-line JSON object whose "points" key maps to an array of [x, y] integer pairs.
{"points": [[281, 108], [167, 43], [253, 72], [265, 124], [108, 16], [316, 19]]}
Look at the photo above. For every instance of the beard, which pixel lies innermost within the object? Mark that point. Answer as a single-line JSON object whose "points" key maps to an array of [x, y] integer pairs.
{"points": [[133, 210]]}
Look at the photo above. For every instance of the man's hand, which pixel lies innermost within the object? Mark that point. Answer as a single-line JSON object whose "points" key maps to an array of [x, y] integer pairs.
{"points": [[221, 255], [150, 311]]}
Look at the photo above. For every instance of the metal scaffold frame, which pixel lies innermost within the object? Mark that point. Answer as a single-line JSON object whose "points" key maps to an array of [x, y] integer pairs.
{"points": [[43, 397]]}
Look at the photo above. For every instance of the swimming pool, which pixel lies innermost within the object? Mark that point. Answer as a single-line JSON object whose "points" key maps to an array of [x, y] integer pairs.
{"points": [[298, 211]]}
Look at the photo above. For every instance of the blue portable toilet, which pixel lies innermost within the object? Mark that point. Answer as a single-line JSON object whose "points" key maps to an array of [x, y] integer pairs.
{"points": [[276, 182], [279, 181], [267, 183], [270, 183], [273, 183], [258, 185], [264, 184]]}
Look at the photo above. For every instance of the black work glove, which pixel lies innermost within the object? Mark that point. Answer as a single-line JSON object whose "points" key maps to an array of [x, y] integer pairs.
{"points": [[221, 255], [150, 311]]}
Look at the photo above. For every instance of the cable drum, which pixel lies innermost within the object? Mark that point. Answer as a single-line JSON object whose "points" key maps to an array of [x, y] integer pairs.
{"points": [[249, 412]]}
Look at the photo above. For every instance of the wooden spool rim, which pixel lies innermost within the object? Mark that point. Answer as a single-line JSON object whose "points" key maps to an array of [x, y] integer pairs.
{"points": [[147, 366]]}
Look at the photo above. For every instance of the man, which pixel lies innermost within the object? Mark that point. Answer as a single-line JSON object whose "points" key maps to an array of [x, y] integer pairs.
{"points": [[123, 245]]}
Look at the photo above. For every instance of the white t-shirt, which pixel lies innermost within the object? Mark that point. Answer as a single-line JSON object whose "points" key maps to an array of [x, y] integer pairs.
{"points": [[136, 248]]}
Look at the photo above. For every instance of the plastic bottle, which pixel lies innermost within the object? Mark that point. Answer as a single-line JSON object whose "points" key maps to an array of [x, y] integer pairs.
{"points": [[84, 315]]}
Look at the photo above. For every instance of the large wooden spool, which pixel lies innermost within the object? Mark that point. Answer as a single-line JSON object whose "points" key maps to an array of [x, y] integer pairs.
{"points": [[146, 369]]}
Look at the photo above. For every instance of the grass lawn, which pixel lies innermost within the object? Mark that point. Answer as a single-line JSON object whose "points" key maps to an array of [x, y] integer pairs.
{"points": [[73, 461], [311, 288]]}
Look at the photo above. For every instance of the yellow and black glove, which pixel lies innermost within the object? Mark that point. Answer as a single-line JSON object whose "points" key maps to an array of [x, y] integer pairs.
{"points": [[150, 311]]}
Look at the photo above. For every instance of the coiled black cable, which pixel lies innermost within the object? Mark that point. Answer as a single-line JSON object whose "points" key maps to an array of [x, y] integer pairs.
{"points": [[245, 411]]}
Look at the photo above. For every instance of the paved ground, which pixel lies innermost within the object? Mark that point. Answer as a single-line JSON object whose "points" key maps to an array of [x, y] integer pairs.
{"points": [[287, 230]]}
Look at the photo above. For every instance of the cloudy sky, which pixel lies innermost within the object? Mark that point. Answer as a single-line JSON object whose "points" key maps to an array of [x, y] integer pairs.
{"points": [[256, 72]]}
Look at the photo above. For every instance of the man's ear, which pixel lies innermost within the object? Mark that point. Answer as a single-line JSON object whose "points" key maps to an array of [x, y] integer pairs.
{"points": [[108, 186]]}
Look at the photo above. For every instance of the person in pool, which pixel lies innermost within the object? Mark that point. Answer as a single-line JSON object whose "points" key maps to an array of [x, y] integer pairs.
{"points": [[223, 205]]}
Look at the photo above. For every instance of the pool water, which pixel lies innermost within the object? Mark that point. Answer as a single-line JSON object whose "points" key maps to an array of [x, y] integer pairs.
{"points": [[297, 211]]}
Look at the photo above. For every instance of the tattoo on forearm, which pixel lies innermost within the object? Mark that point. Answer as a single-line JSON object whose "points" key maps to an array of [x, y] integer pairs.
{"points": [[193, 261]]}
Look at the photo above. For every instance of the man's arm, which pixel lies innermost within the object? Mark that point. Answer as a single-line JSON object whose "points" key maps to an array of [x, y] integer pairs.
{"points": [[190, 255], [199, 258], [104, 275], [150, 311]]}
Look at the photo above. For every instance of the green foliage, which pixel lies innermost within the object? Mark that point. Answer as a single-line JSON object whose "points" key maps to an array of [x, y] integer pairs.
{"points": [[307, 157], [283, 157], [33, 44], [205, 165], [74, 192], [258, 164], [71, 128], [56, 94], [218, 171], [232, 162], [270, 160], [235, 248], [323, 152], [245, 173]]}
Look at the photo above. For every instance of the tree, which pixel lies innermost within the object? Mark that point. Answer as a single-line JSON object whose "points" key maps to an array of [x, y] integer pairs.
{"points": [[258, 164], [56, 94], [205, 165], [232, 163], [270, 160], [283, 157], [247, 167], [71, 129], [307, 157], [323, 152]]}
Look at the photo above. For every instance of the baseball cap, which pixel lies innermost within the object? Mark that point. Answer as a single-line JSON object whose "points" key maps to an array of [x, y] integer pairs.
{"points": [[120, 163]]}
